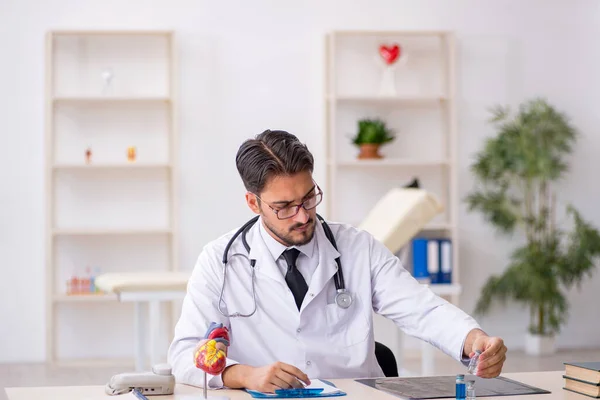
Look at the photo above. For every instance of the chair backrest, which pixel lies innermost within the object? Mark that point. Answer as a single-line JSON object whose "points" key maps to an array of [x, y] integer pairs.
{"points": [[386, 360]]}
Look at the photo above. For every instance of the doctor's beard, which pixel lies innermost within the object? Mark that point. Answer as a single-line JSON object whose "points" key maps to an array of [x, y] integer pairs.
{"points": [[294, 237]]}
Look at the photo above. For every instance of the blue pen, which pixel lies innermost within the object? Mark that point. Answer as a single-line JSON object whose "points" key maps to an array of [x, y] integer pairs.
{"points": [[139, 394]]}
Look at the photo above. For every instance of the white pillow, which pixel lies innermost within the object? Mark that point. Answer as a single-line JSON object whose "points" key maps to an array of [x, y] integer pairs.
{"points": [[400, 215]]}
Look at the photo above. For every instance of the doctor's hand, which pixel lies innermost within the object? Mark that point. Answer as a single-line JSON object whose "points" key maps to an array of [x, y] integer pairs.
{"points": [[264, 379], [493, 355]]}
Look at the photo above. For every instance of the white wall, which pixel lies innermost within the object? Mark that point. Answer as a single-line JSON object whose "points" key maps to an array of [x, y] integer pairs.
{"points": [[247, 66]]}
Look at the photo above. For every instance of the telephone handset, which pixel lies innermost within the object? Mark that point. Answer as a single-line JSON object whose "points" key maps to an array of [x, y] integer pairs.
{"points": [[158, 382]]}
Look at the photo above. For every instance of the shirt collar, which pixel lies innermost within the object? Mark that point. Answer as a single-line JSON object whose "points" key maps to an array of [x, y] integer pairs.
{"points": [[276, 248]]}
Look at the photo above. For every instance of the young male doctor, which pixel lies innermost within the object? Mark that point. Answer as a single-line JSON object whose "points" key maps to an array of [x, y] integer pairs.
{"points": [[292, 328]]}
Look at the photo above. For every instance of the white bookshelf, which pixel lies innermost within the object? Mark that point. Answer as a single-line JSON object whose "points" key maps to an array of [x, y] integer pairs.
{"points": [[107, 213], [422, 113]]}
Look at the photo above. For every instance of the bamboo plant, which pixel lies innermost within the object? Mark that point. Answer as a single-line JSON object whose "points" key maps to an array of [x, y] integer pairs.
{"points": [[516, 176]]}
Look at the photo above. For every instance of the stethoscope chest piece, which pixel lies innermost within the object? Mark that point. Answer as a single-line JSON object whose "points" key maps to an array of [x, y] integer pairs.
{"points": [[343, 298]]}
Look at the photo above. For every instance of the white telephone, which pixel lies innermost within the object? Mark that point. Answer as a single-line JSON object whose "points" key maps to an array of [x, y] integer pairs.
{"points": [[158, 382]]}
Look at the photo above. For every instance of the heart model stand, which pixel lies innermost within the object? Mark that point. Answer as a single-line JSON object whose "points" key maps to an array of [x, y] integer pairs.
{"points": [[204, 391], [211, 355]]}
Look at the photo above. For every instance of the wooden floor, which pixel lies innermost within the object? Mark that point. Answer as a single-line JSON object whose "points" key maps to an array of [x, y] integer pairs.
{"points": [[42, 375]]}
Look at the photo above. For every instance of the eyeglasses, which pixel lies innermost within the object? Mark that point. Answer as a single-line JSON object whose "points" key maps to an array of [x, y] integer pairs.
{"points": [[292, 211]]}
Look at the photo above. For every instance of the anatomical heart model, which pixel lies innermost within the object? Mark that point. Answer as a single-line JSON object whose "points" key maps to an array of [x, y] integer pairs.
{"points": [[211, 354]]}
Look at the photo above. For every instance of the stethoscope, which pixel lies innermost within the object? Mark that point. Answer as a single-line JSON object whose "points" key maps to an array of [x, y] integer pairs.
{"points": [[342, 298]]}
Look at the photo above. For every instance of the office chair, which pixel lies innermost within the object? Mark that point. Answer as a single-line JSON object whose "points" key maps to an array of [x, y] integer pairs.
{"points": [[386, 360]]}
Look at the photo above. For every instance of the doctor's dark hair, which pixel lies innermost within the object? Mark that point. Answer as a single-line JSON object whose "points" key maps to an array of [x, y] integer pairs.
{"points": [[269, 154]]}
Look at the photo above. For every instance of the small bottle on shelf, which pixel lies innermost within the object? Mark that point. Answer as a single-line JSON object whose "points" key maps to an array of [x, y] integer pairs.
{"points": [[96, 288], [69, 290], [131, 153], [92, 282], [93, 288], [73, 286], [85, 282]]}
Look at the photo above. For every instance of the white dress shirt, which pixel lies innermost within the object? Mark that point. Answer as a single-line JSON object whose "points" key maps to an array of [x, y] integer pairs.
{"points": [[307, 261]]}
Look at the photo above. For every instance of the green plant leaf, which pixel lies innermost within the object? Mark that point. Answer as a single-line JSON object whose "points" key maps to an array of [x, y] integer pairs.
{"points": [[496, 207], [372, 131], [582, 251]]}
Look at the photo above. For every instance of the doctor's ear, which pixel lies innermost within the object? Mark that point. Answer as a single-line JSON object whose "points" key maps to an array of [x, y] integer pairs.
{"points": [[252, 202]]}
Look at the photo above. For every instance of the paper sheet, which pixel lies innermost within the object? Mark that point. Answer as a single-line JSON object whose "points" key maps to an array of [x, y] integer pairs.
{"points": [[318, 384]]}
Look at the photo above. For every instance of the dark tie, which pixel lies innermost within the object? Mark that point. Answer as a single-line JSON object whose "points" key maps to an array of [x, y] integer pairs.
{"points": [[293, 277]]}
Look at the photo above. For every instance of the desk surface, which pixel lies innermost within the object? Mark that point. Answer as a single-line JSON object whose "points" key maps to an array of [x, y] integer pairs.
{"points": [[552, 381]]}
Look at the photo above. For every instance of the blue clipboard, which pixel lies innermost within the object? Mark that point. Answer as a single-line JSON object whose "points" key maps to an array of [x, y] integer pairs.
{"points": [[295, 393]]}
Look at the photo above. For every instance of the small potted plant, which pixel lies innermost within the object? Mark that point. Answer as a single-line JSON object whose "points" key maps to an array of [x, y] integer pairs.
{"points": [[372, 133]]}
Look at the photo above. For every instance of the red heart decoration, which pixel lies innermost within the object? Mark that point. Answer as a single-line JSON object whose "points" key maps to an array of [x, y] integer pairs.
{"points": [[389, 54]]}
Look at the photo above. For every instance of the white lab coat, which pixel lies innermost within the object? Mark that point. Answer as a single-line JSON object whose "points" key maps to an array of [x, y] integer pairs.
{"points": [[322, 339]]}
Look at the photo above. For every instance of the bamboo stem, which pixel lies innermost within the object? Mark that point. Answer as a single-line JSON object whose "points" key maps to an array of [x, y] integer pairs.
{"points": [[536, 208], [553, 212], [528, 212], [543, 213], [532, 317]]}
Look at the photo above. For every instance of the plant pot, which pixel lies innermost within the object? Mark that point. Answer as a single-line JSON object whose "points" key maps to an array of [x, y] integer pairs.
{"points": [[369, 151], [539, 345]]}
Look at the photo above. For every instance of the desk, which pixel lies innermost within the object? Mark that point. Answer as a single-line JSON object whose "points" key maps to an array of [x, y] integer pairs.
{"points": [[552, 381]]}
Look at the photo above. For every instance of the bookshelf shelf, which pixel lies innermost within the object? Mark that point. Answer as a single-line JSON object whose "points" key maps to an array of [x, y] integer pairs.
{"points": [[446, 289], [108, 33], [101, 232], [438, 227], [382, 33], [429, 228], [103, 100], [390, 162], [393, 101], [80, 167], [85, 298]]}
